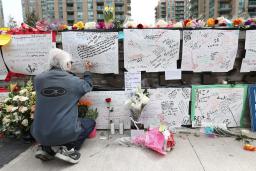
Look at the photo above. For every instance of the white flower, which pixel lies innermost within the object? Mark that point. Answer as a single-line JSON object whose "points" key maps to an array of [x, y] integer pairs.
{"points": [[33, 93], [14, 109], [23, 91], [23, 109], [16, 98], [136, 106], [6, 120], [23, 98], [24, 122], [144, 100], [7, 99]]}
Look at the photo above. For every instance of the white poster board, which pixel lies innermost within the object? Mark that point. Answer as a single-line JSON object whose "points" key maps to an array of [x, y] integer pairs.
{"points": [[120, 112], [249, 62], [151, 50], [218, 104], [167, 105], [100, 48], [3, 69], [209, 50], [132, 80], [28, 53]]}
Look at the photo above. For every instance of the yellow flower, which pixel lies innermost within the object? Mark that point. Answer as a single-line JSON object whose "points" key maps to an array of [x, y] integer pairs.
{"points": [[80, 25], [106, 8]]}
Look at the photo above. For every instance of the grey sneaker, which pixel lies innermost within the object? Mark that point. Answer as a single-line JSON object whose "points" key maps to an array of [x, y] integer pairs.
{"points": [[43, 155], [70, 156]]}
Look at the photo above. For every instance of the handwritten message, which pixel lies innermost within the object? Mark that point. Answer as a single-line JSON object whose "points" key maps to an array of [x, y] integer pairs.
{"points": [[209, 50], [28, 54], [167, 105], [151, 50], [132, 80], [218, 104], [249, 62], [3, 69], [120, 112], [100, 48]]}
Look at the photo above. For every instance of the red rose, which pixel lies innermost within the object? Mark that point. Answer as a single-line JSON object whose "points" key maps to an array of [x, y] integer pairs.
{"points": [[108, 100], [140, 26]]}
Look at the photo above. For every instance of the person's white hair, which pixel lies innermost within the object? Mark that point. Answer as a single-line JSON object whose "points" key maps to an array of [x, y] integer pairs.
{"points": [[59, 59]]}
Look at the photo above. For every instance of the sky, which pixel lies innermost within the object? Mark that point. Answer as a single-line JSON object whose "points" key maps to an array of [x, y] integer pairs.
{"points": [[12, 8], [141, 10]]}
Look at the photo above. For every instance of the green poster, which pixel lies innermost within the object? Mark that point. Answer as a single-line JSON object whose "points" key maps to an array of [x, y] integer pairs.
{"points": [[218, 105]]}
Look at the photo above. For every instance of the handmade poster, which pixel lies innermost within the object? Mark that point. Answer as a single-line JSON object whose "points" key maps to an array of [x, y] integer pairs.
{"points": [[249, 62], [248, 65], [209, 50], [120, 112], [151, 50], [100, 48], [28, 53], [132, 80], [167, 105], [174, 74], [252, 104], [3, 69], [218, 105]]}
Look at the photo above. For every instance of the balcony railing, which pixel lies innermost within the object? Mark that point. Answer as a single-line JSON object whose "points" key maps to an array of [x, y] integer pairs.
{"points": [[119, 9], [70, 8], [224, 8], [100, 16], [70, 17], [100, 8]]}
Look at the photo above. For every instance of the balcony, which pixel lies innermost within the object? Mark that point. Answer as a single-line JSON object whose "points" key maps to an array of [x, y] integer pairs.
{"points": [[70, 17], [119, 2], [100, 1], [119, 9], [252, 4], [225, 8], [100, 8], [252, 14], [100, 16], [70, 8], [120, 17]]}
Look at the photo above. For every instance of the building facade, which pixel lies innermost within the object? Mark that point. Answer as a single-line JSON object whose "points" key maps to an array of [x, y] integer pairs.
{"points": [[1, 14], [71, 11], [226, 8], [172, 9]]}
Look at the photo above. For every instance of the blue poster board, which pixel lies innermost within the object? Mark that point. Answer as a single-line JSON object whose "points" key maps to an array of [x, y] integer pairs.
{"points": [[252, 104]]}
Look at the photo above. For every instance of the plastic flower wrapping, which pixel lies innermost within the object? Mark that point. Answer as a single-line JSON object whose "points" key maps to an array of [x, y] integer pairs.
{"points": [[137, 102], [108, 13], [17, 110]]}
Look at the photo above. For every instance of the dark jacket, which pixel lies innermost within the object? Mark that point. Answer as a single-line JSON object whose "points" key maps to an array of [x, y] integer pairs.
{"points": [[56, 116]]}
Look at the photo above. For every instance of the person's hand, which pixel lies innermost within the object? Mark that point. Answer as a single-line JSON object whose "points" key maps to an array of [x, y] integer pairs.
{"points": [[88, 65]]}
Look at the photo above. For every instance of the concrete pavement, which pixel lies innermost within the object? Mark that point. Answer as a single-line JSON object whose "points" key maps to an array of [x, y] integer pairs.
{"points": [[191, 153]]}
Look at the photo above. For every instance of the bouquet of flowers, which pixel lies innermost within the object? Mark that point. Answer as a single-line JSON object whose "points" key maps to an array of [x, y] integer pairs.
{"points": [[84, 110], [17, 111], [108, 14], [137, 103]]}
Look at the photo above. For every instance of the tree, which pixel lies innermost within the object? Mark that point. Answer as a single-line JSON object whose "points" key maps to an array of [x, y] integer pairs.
{"points": [[12, 23], [31, 19]]}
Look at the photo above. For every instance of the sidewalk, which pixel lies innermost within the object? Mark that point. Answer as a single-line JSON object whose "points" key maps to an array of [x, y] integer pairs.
{"points": [[191, 153]]}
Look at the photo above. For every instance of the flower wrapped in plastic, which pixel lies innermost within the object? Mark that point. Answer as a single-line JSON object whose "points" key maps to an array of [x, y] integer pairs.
{"points": [[17, 111]]}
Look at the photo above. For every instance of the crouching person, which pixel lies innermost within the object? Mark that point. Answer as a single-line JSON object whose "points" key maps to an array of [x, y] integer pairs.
{"points": [[56, 126]]}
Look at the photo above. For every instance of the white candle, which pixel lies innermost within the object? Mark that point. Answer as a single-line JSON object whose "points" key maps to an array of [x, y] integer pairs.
{"points": [[121, 128]]}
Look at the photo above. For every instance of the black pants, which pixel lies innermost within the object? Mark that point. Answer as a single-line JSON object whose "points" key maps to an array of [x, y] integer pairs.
{"points": [[87, 127]]}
